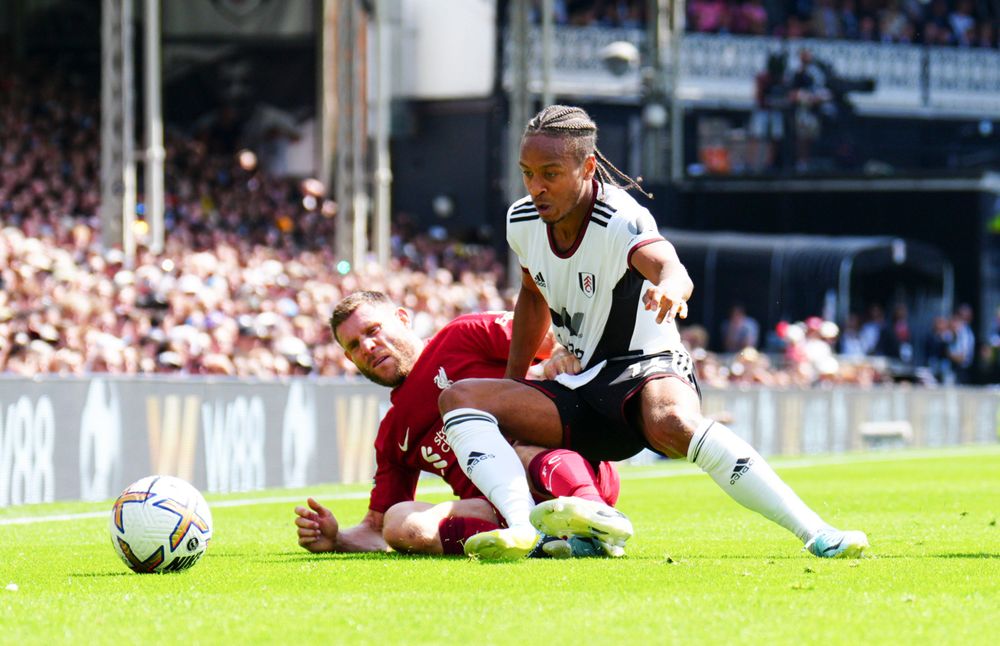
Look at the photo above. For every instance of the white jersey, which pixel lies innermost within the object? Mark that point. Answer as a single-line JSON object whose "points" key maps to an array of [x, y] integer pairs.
{"points": [[593, 291]]}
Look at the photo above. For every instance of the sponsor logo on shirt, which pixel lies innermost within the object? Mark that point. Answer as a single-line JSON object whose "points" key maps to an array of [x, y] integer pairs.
{"points": [[436, 460]]}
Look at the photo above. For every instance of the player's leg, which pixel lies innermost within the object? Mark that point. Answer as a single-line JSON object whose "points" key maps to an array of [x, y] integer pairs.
{"points": [[669, 414], [416, 527], [553, 473], [473, 410], [575, 499], [423, 528]]}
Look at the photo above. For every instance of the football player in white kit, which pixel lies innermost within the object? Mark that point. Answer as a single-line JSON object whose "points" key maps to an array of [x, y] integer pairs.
{"points": [[596, 269]]}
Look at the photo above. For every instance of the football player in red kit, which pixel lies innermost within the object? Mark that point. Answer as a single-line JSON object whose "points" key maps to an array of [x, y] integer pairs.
{"points": [[376, 336]]}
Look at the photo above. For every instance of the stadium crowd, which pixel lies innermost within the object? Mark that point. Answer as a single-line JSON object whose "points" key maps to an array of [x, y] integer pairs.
{"points": [[245, 284], [963, 23]]}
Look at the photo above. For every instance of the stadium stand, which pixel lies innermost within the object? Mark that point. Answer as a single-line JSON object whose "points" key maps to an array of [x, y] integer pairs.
{"points": [[243, 288], [245, 284], [966, 23]]}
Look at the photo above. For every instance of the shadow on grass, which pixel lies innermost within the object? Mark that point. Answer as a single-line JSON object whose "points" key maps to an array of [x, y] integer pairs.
{"points": [[295, 557], [92, 575], [970, 555]]}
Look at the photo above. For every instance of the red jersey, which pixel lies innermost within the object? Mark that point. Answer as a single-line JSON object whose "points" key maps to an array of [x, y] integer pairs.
{"points": [[410, 438]]}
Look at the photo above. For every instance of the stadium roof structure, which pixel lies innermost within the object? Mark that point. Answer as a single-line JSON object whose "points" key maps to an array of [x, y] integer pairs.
{"points": [[791, 277]]}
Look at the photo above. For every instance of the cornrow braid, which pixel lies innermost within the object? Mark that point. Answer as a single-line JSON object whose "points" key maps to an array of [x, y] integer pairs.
{"points": [[573, 123]]}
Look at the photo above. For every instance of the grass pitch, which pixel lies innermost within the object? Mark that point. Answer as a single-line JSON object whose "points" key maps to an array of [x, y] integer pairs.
{"points": [[700, 570]]}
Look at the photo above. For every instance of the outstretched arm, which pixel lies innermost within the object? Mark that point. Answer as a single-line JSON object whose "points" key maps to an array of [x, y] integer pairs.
{"points": [[531, 323], [672, 287], [319, 531]]}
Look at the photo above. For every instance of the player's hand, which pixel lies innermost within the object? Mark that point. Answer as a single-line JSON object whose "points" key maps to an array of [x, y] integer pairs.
{"points": [[317, 527], [670, 305], [562, 361]]}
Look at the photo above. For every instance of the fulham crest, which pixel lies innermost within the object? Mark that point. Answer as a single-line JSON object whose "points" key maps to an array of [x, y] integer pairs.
{"points": [[588, 283]]}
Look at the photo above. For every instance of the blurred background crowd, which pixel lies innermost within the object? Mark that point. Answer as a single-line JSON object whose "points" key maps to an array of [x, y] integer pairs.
{"points": [[961, 23], [247, 280]]}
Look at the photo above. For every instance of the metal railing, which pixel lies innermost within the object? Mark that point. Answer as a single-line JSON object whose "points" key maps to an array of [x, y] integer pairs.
{"points": [[718, 71]]}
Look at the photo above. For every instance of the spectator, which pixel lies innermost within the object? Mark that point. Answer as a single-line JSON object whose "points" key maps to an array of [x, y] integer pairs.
{"points": [[900, 345], [991, 350], [985, 35], [851, 344], [813, 99], [826, 20], [893, 24], [751, 18], [962, 349], [873, 331], [709, 16], [739, 331], [962, 23], [767, 121], [849, 22]]}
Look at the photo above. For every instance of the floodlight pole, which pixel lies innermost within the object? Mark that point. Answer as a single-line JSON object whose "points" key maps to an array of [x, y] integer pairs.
{"points": [[117, 122], [359, 106], [383, 168], [519, 108], [155, 153], [677, 26], [341, 13], [327, 97], [548, 9], [654, 94]]}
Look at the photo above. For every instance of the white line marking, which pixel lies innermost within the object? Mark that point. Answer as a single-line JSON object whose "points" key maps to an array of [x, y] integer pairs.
{"points": [[679, 470]]}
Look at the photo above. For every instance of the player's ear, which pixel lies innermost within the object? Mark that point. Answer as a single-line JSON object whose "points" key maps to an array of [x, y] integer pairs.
{"points": [[589, 167], [403, 315]]}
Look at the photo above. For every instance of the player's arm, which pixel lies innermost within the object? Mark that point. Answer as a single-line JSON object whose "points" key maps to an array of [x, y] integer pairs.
{"points": [[531, 322], [672, 286], [555, 358], [319, 531]]}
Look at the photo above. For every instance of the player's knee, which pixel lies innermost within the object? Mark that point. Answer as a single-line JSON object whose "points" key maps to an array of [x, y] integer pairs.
{"points": [[407, 530], [669, 428], [461, 394]]}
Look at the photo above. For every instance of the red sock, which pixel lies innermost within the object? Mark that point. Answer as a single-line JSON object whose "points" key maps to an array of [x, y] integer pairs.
{"points": [[454, 531], [564, 473]]}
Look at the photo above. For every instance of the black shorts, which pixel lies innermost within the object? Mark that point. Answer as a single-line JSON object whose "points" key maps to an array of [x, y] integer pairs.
{"points": [[594, 416]]}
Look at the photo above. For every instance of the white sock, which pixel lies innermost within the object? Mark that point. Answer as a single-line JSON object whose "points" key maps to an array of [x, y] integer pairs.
{"points": [[490, 462], [749, 480]]}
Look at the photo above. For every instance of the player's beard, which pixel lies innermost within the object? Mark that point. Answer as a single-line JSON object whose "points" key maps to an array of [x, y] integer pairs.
{"points": [[404, 357]]}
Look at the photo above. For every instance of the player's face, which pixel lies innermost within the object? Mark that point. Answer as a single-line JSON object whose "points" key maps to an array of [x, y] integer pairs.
{"points": [[379, 342], [559, 184]]}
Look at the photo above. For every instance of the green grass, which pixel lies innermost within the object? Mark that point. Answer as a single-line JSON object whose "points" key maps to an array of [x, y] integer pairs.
{"points": [[700, 569]]}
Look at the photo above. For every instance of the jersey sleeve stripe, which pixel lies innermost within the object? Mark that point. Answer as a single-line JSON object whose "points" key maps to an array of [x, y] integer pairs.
{"points": [[607, 207], [599, 221], [525, 218], [527, 208], [638, 247], [605, 212]]}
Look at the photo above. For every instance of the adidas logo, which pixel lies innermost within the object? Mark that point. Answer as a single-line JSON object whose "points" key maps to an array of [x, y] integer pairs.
{"points": [[742, 466], [539, 279], [475, 458]]}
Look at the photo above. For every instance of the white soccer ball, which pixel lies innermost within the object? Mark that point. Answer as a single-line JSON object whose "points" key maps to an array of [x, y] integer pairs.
{"points": [[160, 524]]}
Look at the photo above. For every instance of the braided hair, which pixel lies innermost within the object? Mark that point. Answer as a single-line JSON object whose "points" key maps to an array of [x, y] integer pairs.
{"points": [[575, 125]]}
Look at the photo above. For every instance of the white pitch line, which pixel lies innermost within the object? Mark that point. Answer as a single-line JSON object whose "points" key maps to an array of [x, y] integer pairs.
{"points": [[646, 474]]}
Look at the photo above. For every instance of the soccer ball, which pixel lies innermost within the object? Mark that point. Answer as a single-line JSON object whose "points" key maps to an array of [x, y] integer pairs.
{"points": [[160, 524]]}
